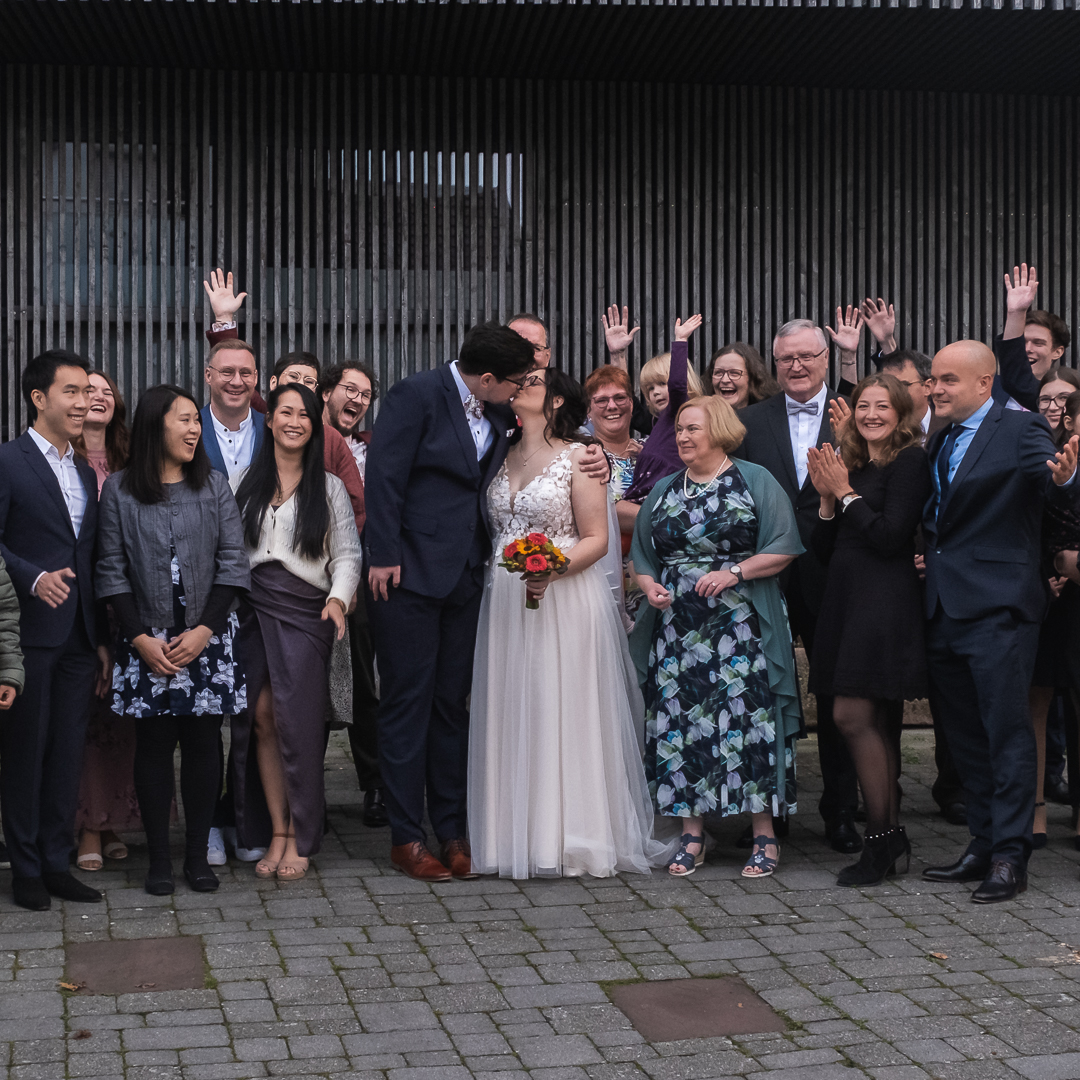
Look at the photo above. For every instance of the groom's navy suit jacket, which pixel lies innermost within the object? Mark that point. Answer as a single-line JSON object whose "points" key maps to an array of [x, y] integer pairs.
{"points": [[424, 488]]}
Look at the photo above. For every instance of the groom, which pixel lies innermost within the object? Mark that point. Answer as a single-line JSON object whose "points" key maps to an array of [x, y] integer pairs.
{"points": [[440, 438]]}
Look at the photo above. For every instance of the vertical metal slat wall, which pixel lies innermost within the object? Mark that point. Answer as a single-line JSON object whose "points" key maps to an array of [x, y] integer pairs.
{"points": [[379, 217]]}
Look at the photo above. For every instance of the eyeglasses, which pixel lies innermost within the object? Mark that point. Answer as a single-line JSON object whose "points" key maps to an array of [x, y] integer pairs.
{"points": [[619, 400], [310, 382], [228, 374], [541, 348], [533, 380], [1058, 400], [731, 374], [787, 361], [354, 393]]}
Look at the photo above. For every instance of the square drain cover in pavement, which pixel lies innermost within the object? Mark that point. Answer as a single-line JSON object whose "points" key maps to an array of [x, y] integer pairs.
{"points": [[664, 1011], [126, 967]]}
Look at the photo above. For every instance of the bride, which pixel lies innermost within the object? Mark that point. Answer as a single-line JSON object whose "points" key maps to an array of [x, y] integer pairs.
{"points": [[556, 785]]}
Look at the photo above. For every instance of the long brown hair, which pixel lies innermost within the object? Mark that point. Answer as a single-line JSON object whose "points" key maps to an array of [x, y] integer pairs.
{"points": [[117, 435], [908, 432]]}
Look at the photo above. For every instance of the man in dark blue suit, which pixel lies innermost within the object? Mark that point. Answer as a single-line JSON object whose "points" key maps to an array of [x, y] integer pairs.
{"points": [[232, 430], [48, 527], [440, 438], [985, 598]]}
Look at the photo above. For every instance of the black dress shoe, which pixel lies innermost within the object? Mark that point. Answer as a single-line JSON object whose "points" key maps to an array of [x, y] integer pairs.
{"points": [[955, 813], [65, 886], [1004, 882], [30, 893], [199, 875], [375, 815], [842, 835], [5, 861], [1056, 789], [967, 868]]}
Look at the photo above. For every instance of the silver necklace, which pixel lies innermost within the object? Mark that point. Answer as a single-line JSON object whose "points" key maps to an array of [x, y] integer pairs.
{"points": [[705, 487]]}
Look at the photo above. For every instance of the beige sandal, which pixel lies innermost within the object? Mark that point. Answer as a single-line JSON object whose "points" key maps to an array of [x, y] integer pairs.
{"points": [[91, 861], [115, 848], [267, 868], [293, 871]]}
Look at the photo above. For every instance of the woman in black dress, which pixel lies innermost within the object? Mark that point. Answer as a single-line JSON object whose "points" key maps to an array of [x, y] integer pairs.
{"points": [[869, 648]]}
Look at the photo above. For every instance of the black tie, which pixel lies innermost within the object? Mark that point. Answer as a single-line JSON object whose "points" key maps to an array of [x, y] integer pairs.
{"points": [[944, 454]]}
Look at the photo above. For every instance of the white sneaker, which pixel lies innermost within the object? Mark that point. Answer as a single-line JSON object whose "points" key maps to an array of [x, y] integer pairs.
{"points": [[215, 849], [242, 853]]}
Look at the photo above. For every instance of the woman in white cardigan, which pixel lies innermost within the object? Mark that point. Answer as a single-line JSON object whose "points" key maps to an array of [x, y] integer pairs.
{"points": [[301, 538]]}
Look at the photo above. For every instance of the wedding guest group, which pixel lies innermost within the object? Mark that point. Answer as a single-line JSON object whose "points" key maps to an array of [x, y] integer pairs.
{"points": [[335, 556]]}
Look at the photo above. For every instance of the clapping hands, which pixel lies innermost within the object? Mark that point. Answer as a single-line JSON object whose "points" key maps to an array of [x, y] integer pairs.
{"points": [[828, 473], [839, 416]]}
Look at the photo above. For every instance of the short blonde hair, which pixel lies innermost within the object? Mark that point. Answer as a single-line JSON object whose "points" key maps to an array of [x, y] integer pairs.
{"points": [[724, 428], [657, 372]]}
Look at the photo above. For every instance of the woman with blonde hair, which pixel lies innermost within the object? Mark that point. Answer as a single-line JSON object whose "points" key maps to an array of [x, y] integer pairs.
{"points": [[713, 648], [869, 647]]}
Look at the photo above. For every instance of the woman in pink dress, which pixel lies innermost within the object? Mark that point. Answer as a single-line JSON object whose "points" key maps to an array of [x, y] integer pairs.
{"points": [[107, 803]]}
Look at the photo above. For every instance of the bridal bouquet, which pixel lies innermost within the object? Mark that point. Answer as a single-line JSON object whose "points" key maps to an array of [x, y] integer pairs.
{"points": [[533, 556]]}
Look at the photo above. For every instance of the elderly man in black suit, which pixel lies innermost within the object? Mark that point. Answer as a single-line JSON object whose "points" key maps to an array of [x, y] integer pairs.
{"points": [[993, 468], [48, 526], [779, 432]]}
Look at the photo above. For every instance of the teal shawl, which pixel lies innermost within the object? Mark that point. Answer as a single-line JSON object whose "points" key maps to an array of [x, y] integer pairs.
{"points": [[778, 534]]}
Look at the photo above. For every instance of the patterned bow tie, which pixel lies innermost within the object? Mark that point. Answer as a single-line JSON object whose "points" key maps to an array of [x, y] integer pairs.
{"points": [[474, 407], [796, 407]]}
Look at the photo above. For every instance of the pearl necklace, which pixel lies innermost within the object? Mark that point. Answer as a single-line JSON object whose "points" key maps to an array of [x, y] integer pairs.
{"points": [[716, 476]]}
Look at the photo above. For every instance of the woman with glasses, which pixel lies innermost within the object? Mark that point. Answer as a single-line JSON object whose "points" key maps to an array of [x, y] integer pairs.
{"points": [[1057, 662], [739, 376]]}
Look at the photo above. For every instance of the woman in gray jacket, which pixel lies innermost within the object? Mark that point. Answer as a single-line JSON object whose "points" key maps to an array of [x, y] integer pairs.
{"points": [[171, 563], [11, 657]]}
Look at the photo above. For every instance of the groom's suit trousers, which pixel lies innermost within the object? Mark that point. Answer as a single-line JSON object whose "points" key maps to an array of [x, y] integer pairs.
{"points": [[425, 654]]}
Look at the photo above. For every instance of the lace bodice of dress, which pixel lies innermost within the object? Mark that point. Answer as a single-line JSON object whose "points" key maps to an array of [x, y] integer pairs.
{"points": [[542, 505]]}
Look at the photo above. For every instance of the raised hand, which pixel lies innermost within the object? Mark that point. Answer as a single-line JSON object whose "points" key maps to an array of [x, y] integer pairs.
{"points": [[848, 329], [683, 330], [839, 415], [1021, 288], [1062, 465], [617, 332], [223, 303], [881, 318]]}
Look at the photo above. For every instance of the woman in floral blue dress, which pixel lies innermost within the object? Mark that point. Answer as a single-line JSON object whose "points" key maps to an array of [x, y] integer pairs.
{"points": [[715, 656], [175, 672]]}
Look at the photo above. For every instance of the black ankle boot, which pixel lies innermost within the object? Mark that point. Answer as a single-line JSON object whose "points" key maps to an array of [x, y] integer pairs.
{"points": [[159, 878], [198, 873], [880, 853]]}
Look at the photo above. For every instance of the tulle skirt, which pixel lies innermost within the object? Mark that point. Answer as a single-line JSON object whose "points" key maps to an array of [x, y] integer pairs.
{"points": [[556, 783]]}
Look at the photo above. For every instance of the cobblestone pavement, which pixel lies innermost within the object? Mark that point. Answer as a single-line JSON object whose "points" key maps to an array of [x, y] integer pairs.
{"points": [[360, 972]]}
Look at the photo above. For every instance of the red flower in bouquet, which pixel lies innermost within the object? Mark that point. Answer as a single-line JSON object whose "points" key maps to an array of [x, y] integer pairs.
{"points": [[536, 564], [536, 539]]}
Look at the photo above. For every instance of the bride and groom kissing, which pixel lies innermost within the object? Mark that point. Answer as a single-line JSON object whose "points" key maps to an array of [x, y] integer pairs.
{"points": [[549, 780]]}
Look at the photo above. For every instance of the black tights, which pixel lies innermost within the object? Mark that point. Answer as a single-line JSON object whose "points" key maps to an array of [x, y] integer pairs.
{"points": [[864, 723], [200, 780]]}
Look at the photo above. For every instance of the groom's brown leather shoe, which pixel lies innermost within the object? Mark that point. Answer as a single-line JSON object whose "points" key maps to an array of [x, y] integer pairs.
{"points": [[415, 860], [456, 855]]}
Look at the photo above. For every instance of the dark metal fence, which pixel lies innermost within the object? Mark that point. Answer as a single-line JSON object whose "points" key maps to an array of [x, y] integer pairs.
{"points": [[379, 217]]}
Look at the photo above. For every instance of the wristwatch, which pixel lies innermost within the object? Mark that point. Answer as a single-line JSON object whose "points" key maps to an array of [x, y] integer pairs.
{"points": [[737, 571], [848, 499]]}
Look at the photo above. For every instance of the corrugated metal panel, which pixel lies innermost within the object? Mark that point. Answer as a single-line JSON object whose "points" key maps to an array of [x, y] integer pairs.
{"points": [[378, 217]]}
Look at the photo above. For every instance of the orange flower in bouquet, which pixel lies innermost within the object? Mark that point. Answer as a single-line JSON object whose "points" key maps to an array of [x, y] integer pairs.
{"points": [[533, 556]]}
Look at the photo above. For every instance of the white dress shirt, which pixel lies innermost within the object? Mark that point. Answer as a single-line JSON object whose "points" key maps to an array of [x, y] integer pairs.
{"points": [[338, 572], [479, 426], [359, 453], [67, 476], [236, 447], [71, 485], [924, 423], [804, 428]]}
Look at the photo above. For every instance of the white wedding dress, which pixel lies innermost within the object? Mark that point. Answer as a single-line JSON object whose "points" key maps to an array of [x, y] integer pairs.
{"points": [[556, 784]]}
